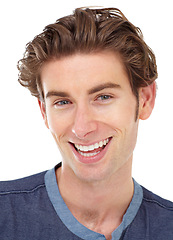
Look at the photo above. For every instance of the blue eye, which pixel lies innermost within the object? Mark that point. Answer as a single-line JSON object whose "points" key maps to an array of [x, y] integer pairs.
{"points": [[104, 97], [62, 103]]}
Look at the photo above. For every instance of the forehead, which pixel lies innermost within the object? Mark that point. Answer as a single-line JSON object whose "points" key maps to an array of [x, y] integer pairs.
{"points": [[84, 70]]}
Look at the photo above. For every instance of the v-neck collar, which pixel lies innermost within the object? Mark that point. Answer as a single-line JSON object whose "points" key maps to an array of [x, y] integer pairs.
{"points": [[72, 223]]}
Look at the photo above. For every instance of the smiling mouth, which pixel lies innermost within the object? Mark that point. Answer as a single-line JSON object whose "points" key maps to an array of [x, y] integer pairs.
{"points": [[91, 150]]}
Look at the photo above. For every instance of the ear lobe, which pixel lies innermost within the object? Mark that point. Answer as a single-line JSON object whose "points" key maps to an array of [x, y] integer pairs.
{"points": [[43, 112], [147, 97]]}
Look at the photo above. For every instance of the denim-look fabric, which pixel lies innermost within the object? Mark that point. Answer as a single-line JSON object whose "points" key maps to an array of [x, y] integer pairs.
{"points": [[28, 212]]}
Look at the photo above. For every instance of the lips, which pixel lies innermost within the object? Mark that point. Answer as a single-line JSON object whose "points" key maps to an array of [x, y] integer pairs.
{"points": [[91, 153]]}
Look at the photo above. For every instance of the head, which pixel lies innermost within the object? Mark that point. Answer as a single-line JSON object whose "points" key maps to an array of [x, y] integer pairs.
{"points": [[93, 75], [89, 31]]}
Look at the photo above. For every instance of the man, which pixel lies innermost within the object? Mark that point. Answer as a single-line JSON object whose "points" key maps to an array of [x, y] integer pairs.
{"points": [[94, 78]]}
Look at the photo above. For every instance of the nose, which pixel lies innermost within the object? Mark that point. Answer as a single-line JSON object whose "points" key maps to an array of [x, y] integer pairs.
{"points": [[84, 122]]}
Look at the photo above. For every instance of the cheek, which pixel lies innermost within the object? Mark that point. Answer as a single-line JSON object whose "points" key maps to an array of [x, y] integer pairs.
{"points": [[129, 112], [56, 124], [122, 116]]}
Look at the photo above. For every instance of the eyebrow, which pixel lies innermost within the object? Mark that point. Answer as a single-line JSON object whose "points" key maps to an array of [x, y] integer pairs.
{"points": [[91, 91], [103, 86], [57, 93]]}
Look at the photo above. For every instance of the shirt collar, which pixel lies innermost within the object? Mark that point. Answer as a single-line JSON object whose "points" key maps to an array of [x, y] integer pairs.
{"points": [[71, 222]]}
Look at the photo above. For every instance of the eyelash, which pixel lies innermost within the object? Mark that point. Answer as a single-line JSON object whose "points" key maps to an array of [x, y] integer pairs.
{"points": [[105, 96], [59, 103], [102, 98]]}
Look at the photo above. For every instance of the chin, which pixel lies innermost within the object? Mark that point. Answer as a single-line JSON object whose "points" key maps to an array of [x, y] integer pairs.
{"points": [[92, 173]]}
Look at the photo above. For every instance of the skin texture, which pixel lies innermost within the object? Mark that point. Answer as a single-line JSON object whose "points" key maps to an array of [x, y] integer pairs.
{"points": [[88, 99]]}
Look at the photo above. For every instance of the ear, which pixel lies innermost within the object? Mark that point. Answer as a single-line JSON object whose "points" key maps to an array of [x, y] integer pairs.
{"points": [[43, 112], [147, 97]]}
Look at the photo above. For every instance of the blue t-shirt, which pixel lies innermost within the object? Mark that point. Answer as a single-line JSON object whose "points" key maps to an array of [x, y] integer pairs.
{"points": [[32, 208]]}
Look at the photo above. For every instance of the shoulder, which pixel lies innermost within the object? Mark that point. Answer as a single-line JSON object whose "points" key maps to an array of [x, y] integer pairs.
{"points": [[154, 219], [24, 185], [157, 214], [156, 202], [19, 199]]}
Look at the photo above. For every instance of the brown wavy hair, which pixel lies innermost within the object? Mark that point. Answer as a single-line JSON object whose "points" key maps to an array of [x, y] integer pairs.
{"points": [[87, 31]]}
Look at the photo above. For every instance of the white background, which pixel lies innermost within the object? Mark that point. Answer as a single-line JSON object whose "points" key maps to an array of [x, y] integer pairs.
{"points": [[26, 146]]}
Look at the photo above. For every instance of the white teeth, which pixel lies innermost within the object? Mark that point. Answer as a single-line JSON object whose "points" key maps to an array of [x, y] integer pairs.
{"points": [[96, 145], [91, 147], [88, 154]]}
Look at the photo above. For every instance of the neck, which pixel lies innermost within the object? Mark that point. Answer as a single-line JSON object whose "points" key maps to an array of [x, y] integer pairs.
{"points": [[97, 204]]}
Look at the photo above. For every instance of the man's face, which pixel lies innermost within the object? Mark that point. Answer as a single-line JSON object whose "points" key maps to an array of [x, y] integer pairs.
{"points": [[90, 110]]}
